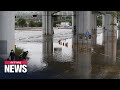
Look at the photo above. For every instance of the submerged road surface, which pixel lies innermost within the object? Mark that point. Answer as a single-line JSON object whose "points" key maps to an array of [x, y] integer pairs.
{"points": [[60, 61]]}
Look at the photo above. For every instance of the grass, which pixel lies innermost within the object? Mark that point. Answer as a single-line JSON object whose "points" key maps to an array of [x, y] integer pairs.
{"points": [[18, 51]]}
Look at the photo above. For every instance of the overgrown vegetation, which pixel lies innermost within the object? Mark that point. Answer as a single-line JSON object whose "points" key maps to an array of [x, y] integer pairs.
{"points": [[99, 20], [18, 51], [24, 23], [21, 22], [31, 23]]}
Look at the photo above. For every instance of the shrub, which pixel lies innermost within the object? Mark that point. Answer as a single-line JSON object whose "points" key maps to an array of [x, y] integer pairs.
{"points": [[18, 51]]}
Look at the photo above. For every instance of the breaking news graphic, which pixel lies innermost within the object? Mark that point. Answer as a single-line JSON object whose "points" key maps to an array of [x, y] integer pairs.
{"points": [[15, 67]]}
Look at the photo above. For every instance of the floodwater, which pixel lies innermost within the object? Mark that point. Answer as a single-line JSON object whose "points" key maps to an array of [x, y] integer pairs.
{"points": [[50, 59]]}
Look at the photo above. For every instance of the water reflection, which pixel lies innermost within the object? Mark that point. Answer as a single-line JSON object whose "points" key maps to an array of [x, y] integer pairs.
{"points": [[47, 48], [54, 55], [77, 67], [82, 65], [61, 61], [101, 65], [82, 61], [71, 62]]}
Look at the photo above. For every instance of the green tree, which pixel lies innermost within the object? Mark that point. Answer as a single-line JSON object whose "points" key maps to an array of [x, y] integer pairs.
{"points": [[32, 24], [39, 24], [21, 22], [99, 20]]}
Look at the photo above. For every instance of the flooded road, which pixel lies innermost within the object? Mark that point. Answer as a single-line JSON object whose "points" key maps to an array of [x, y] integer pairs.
{"points": [[50, 59]]}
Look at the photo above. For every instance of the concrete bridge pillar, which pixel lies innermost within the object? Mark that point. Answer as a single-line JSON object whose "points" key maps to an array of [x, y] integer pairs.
{"points": [[82, 63], [118, 35], [47, 23], [47, 47], [84, 29], [94, 29], [74, 39], [7, 32], [118, 41], [73, 20], [103, 27], [110, 38]]}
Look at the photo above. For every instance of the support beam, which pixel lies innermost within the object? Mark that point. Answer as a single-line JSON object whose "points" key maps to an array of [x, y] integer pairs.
{"points": [[103, 27], [47, 23], [74, 22], [47, 48], [110, 38], [82, 63], [7, 33], [118, 41], [84, 29], [118, 34], [94, 29], [74, 39]]}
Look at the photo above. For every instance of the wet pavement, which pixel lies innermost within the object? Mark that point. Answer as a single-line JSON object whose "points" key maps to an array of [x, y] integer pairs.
{"points": [[50, 59]]}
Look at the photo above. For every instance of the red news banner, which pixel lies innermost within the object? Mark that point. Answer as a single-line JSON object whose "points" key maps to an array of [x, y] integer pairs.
{"points": [[15, 66], [15, 62]]}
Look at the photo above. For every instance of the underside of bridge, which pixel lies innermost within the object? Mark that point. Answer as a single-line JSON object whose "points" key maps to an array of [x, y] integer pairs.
{"points": [[84, 25]]}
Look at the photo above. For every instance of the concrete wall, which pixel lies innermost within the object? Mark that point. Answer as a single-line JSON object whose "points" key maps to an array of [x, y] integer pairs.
{"points": [[7, 34]]}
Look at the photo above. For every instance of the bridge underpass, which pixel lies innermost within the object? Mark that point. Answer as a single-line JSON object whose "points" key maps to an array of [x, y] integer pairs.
{"points": [[85, 21]]}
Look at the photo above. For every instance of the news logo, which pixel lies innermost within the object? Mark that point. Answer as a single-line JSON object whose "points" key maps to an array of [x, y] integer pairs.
{"points": [[15, 66]]}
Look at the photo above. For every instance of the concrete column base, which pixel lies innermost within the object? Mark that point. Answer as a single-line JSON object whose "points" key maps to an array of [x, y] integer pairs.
{"points": [[7, 33], [47, 47], [110, 38]]}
